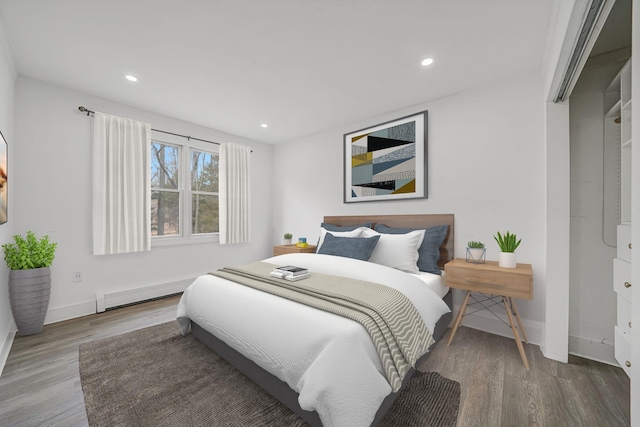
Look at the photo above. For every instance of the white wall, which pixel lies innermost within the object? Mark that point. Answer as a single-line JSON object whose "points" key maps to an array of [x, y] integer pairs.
{"points": [[7, 83], [52, 195], [592, 308], [486, 165]]}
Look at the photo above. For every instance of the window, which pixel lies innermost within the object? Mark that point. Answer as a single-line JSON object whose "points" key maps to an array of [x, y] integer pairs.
{"points": [[184, 185], [204, 192]]}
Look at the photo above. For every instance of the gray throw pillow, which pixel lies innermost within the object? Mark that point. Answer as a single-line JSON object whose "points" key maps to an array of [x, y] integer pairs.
{"points": [[349, 247], [429, 250]]}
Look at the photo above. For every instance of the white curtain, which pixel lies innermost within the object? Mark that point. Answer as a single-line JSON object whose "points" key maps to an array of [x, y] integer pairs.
{"points": [[121, 185], [234, 194]]}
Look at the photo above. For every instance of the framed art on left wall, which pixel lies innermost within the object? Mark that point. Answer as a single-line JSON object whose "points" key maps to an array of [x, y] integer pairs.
{"points": [[387, 161], [3, 179]]}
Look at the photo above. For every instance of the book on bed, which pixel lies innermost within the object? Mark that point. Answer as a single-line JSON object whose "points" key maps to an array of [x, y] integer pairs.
{"points": [[290, 278], [290, 272]]}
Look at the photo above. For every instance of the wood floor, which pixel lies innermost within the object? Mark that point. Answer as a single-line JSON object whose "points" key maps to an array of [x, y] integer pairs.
{"points": [[40, 385], [496, 390]]}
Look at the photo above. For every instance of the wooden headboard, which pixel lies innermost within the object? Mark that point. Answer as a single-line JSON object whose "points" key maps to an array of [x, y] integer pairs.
{"points": [[406, 221]]}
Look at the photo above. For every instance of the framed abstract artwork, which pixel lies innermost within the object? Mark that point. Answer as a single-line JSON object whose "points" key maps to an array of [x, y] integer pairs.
{"points": [[387, 161], [3, 179]]}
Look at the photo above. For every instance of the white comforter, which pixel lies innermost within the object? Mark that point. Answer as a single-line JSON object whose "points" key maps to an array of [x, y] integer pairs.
{"points": [[328, 359]]}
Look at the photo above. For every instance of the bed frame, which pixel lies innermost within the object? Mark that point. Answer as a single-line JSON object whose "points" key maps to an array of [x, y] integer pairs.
{"points": [[281, 390]]}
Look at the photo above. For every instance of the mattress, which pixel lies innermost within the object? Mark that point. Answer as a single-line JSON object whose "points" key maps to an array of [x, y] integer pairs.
{"points": [[435, 282], [328, 359]]}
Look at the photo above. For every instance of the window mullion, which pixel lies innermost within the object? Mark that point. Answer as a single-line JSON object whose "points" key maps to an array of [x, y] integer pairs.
{"points": [[186, 191]]}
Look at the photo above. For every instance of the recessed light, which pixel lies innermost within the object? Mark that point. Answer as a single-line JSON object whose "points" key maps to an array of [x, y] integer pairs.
{"points": [[264, 125], [427, 61], [131, 78]]}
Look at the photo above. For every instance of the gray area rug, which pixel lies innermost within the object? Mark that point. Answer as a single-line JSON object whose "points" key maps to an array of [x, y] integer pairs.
{"points": [[157, 377]]}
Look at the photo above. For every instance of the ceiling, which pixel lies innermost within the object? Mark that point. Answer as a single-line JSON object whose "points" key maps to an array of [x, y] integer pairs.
{"points": [[300, 66]]}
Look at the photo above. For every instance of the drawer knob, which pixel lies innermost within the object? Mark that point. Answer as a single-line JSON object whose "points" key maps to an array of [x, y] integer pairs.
{"points": [[629, 245], [627, 284], [628, 364]]}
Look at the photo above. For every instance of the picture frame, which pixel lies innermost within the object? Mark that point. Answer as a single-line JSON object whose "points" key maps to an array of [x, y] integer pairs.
{"points": [[4, 190], [387, 161]]}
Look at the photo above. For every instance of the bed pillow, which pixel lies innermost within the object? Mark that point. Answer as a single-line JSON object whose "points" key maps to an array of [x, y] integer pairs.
{"points": [[349, 247], [351, 233], [332, 227], [399, 251], [429, 251]]}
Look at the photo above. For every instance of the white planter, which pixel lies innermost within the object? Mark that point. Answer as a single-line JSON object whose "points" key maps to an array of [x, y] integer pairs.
{"points": [[507, 259], [287, 241], [476, 255]]}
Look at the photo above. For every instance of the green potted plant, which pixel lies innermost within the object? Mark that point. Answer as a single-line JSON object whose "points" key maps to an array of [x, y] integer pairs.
{"points": [[287, 238], [508, 244], [29, 260], [476, 252]]}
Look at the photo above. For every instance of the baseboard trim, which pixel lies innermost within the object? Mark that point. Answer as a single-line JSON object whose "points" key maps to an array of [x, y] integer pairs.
{"points": [[563, 358], [6, 346], [593, 350], [58, 314], [106, 300]]}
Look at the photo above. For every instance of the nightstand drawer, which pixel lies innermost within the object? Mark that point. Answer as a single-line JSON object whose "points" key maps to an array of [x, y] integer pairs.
{"points": [[489, 278], [292, 249]]}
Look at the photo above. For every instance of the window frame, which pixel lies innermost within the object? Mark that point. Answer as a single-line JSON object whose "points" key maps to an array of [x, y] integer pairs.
{"points": [[185, 235]]}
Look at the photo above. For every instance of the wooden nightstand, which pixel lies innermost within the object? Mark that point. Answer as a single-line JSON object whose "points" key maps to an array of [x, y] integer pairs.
{"points": [[488, 278], [293, 249]]}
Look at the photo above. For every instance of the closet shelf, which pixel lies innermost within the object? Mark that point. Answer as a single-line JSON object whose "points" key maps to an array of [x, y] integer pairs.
{"points": [[615, 110]]}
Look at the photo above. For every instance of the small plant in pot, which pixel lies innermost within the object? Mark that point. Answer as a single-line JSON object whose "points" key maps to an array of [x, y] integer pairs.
{"points": [[287, 238], [29, 260], [476, 252], [508, 244]]}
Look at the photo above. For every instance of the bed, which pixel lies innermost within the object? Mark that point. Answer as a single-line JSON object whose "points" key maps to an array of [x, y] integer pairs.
{"points": [[317, 373]]}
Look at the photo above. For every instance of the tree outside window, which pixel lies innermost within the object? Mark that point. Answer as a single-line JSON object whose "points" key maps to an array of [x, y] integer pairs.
{"points": [[165, 190], [204, 192]]}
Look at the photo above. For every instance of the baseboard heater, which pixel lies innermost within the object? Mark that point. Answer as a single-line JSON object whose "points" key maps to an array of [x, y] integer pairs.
{"points": [[109, 300]]}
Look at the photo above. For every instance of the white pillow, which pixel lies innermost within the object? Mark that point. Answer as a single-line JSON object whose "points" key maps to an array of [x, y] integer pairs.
{"points": [[399, 251], [353, 233]]}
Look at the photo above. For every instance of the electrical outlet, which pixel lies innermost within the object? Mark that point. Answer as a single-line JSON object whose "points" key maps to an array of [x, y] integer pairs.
{"points": [[77, 276]]}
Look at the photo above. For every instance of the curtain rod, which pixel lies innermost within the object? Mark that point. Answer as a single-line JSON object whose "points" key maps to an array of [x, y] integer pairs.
{"points": [[84, 110]]}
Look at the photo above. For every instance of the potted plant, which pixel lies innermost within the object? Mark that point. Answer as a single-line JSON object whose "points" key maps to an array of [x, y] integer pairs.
{"points": [[476, 252], [29, 260], [508, 245], [287, 238]]}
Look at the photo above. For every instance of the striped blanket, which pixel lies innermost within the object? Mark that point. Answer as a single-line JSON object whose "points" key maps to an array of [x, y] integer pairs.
{"points": [[395, 327]]}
